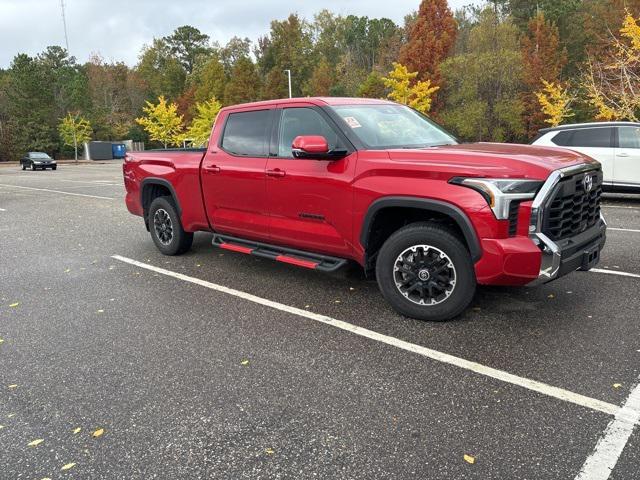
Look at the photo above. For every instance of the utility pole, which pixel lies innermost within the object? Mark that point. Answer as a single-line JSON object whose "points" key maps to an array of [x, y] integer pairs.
{"points": [[64, 25], [289, 75]]}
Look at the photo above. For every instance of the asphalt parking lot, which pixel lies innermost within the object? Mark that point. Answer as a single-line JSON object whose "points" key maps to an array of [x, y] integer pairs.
{"points": [[220, 365]]}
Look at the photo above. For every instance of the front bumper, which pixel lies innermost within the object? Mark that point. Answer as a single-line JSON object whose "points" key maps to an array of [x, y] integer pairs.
{"points": [[579, 252]]}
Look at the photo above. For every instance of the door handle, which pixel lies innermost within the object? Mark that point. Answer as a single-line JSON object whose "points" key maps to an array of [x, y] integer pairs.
{"points": [[212, 168], [622, 154], [276, 173]]}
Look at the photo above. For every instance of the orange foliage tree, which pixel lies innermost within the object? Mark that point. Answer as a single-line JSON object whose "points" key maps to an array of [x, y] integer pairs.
{"points": [[543, 61], [431, 38]]}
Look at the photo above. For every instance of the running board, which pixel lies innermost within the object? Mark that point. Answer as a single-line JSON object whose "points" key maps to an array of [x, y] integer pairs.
{"points": [[299, 258]]}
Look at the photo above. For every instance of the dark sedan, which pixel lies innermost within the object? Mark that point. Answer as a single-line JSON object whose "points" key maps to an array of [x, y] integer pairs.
{"points": [[36, 160]]}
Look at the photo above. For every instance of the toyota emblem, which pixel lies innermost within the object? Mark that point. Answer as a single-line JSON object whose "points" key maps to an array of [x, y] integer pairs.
{"points": [[588, 183]]}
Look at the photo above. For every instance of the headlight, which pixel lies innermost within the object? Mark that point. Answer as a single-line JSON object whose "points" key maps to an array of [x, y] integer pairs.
{"points": [[499, 192], [37, 163]]}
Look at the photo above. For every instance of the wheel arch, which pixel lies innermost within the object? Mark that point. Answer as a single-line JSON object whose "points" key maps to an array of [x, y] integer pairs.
{"points": [[414, 208], [152, 188]]}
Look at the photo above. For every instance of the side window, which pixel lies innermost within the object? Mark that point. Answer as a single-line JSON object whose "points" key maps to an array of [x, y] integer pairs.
{"points": [[563, 139], [629, 137], [592, 137], [245, 133], [303, 121]]}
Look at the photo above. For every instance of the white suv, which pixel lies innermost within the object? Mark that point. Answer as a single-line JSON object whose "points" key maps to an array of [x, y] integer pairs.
{"points": [[616, 145]]}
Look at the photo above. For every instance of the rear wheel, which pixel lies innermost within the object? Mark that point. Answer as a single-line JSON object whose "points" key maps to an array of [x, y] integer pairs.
{"points": [[165, 228], [54, 168], [424, 271]]}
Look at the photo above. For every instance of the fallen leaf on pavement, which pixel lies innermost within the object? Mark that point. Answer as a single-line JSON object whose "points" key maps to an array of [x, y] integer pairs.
{"points": [[13, 385], [98, 433], [67, 270], [13, 305], [1, 340], [100, 311], [35, 443], [551, 295], [469, 459], [269, 451], [76, 430], [1, 427], [68, 466], [617, 385], [244, 362]]}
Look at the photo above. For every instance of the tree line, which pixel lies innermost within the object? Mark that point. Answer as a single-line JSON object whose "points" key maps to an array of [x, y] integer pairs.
{"points": [[495, 72]]}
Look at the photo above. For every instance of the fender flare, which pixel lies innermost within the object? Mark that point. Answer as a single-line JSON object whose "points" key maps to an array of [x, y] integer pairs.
{"points": [[445, 208], [165, 183]]}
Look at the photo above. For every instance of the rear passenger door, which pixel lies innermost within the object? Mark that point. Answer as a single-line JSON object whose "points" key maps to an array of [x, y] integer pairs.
{"points": [[596, 142], [626, 169], [233, 174]]}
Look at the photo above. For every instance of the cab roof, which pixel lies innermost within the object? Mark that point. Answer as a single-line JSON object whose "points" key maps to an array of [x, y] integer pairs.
{"points": [[576, 126], [320, 101]]}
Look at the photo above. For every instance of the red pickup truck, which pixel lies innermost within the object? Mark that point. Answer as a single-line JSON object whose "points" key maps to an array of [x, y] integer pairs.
{"points": [[318, 182]]}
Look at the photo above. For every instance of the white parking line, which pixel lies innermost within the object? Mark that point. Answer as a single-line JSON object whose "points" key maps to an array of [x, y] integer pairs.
{"points": [[602, 461], [55, 191], [2, 210], [615, 272], [620, 206], [543, 388], [623, 229]]}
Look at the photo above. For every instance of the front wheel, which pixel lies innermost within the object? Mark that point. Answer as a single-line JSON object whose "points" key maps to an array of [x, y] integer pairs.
{"points": [[24, 166], [424, 271], [33, 167], [166, 229]]}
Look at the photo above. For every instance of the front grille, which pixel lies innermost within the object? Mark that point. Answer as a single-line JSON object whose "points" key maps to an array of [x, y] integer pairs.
{"points": [[572, 209], [514, 208]]}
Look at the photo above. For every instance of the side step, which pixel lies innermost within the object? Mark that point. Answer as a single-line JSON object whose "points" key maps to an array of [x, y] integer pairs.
{"points": [[299, 258]]}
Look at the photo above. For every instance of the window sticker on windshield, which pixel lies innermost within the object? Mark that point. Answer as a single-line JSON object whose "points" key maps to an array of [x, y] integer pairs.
{"points": [[352, 122]]}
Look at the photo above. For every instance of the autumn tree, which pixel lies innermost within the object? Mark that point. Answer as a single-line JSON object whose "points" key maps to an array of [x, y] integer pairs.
{"points": [[404, 90], [200, 129], [483, 82], [244, 83], [543, 60], [321, 81], [555, 101], [612, 80], [162, 122], [75, 130], [431, 37], [373, 86]]}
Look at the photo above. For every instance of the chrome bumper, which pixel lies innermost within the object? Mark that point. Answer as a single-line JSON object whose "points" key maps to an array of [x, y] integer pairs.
{"points": [[551, 261]]}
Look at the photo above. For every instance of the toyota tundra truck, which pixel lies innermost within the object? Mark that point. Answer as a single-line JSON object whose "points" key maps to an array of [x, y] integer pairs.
{"points": [[320, 182]]}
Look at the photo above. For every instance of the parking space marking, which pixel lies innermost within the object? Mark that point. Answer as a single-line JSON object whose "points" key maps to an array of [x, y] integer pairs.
{"points": [[620, 206], [55, 191], [623, 229], [533, 385], [602, 461], [2, 210], [615, 272]]}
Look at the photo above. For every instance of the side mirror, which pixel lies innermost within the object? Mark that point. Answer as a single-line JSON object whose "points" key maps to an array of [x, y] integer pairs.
{"points": [[309, 146], [315, 147]]}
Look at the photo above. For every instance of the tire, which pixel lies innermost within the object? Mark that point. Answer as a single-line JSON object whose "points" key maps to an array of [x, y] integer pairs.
{"points": [[33, 167], [54, 168], [173, 240], [438, 280], [24, 167]]}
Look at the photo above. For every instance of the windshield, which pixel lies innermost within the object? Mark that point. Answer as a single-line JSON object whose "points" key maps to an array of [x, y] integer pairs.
{"points": [[39, 155], [393, 126]]}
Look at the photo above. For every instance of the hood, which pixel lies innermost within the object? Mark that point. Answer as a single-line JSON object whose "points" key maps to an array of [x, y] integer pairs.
{"points": [[498, 160]]}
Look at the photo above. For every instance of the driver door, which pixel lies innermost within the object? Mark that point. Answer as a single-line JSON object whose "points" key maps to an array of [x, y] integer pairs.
{"points": [[310, 201]]}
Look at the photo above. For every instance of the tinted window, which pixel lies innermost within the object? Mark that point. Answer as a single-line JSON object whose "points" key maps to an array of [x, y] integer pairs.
{"points": [[39, 155], [245, 133], [303, 121], [629, 137], [563, 138], [591, 137]]}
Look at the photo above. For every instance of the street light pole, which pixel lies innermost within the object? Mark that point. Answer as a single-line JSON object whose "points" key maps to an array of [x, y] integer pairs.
{"points": [[289, 75]]}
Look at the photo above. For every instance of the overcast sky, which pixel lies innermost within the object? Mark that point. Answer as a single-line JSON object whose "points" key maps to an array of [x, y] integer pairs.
{"points": [[117, 29]]}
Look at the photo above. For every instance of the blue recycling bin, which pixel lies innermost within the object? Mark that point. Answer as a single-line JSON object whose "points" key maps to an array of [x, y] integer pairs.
{"points": [[118, 150]]}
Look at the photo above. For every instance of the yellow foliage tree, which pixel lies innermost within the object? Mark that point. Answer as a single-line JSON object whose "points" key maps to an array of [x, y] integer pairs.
{"points": [[554, 100], [612, 81], [74, 130], [200, 129], [418, 95], [162, 122]]}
